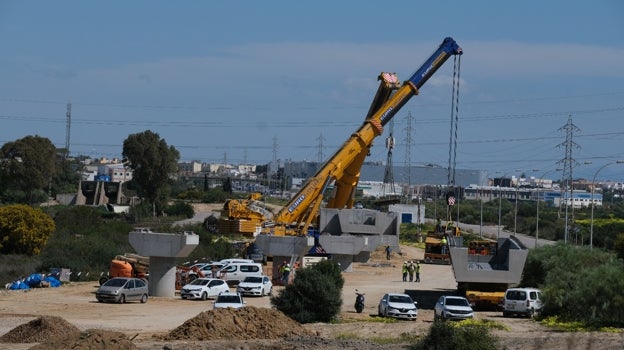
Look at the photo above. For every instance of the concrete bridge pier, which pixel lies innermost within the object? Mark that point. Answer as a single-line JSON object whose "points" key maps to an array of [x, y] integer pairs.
{"points": [[162, 250]]}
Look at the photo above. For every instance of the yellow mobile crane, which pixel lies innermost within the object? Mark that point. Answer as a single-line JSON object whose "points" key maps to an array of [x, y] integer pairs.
{"points": [[343, 168]]}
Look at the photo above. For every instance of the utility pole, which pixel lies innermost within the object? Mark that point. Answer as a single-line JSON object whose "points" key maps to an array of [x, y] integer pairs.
{"points": [[568, 164], [320, 149], [408, 154], [67, 129], [274, 167]]}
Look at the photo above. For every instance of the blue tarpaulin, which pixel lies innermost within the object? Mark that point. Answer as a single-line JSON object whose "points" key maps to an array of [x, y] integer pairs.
{"points": [[18, 285]]}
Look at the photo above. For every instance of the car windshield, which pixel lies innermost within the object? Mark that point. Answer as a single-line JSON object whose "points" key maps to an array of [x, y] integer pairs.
{"points": [[199, 282], [400, 299], [228, 299], [456, 302], [253, 279], [115, 282]]}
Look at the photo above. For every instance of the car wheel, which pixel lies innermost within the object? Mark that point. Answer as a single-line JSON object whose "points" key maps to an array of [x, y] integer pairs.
{"points": [[144, 299], [270, 291], [103, 280], [122, 299], [505, 314], [379, 312], [192, 278], [204, 296], [531, 313]]}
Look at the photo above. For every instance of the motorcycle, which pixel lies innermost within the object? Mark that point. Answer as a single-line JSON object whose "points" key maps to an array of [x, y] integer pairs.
{"points": [[359, 301]]}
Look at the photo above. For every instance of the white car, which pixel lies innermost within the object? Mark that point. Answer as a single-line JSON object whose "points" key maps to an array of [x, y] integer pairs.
{"points": [[451, 307], [204, 288], [229, 299], [398, 306], [255, 285]]}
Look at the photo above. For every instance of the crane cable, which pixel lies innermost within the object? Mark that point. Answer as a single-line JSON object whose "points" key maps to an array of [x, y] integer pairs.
{"points": [[454, 121], [451, 198]]}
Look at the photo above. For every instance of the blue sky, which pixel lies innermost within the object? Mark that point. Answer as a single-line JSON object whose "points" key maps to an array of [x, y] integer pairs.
{"points": [[246, 81]]}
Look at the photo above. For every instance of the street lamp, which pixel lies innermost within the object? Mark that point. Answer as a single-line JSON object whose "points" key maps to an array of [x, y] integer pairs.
{"points": [[591, 225], [538, 203], [481, 197], [500, 202]]}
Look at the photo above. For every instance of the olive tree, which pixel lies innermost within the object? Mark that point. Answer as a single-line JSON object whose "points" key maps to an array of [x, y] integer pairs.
{"points": [[153, 163], [27, 167]]}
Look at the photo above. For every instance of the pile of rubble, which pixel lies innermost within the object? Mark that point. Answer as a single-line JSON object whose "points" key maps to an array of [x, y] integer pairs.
{"points": [[244, 323], [52, 333], [39, 330]]}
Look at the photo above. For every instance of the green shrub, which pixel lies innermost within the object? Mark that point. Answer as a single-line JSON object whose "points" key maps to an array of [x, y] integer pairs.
{"points": [[579, 284], [449, 336], [180, 209], [315, 294]]}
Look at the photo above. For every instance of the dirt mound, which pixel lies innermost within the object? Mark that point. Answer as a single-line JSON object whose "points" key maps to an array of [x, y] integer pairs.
{"points": [[39, 330], [245, 323], [90, 339]]}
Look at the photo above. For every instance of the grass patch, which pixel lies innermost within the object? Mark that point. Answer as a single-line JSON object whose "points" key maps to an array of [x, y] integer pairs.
{"points": [[488, 324], [402, 338], [575, 326], [377, 319]]}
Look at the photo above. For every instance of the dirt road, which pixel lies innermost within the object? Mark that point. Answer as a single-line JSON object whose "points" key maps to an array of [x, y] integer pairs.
{"points": [[75, 303]]}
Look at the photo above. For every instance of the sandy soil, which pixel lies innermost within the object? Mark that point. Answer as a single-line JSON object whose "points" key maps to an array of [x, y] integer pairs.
{"points": [[148, 325]]}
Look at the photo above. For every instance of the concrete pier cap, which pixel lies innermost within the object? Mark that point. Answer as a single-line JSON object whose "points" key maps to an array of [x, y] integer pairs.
{"points": [[162, 249]]}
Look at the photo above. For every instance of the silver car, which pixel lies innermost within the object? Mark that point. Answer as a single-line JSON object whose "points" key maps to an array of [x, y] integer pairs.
{"points": [[122, 289], [255, 285], [398, 306], [451, 307]]}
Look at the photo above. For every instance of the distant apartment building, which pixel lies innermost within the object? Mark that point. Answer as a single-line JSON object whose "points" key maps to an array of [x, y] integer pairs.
{"points": [[577, 199], [107, 172], [191, 167]]}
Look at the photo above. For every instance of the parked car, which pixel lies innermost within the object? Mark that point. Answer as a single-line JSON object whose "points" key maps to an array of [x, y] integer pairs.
{"points": [[122, 289], [235, 272], [255, 285], [206, 271], [451, 307], [229, 299], [522, 301], [204, 288], [398, 306]]}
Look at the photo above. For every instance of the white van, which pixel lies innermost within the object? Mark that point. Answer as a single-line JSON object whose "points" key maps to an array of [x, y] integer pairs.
{"points": [[522, 301], [230, 261], [235, 272]]}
